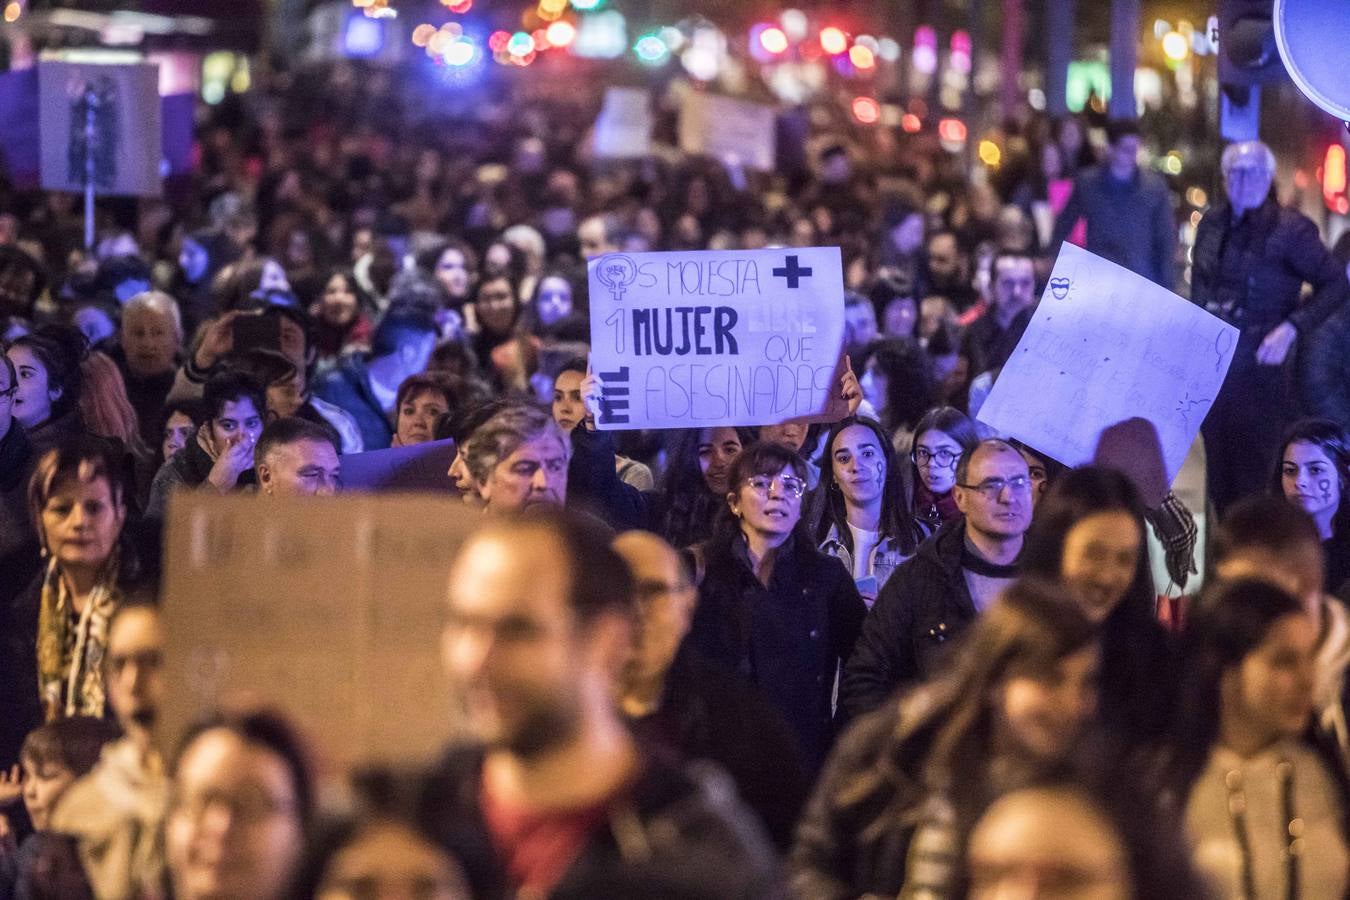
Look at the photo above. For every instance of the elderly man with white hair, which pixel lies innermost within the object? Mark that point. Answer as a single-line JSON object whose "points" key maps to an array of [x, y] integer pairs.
{"points": [[1251, 259], [152, 337]]}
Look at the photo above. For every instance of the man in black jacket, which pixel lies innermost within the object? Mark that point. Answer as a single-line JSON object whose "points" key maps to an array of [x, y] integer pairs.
{"points": [[558, 800], [956, 574], [1251, 259]]}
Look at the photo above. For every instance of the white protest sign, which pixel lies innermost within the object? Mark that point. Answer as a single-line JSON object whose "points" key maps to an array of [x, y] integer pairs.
{"points": [[623, 129], [1106, 345], [127, 130], [707, 338], [733, 131]]}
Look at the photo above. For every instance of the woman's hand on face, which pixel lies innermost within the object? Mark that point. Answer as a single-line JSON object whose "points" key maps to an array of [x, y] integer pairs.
{"points": [[234, 460], [11, 786]]}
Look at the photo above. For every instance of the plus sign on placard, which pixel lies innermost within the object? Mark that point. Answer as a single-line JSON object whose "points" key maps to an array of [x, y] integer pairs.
{"points": [[792, 272]]}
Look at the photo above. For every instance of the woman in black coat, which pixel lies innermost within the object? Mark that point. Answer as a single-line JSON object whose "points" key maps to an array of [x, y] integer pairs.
{"points": [[772, 607]]}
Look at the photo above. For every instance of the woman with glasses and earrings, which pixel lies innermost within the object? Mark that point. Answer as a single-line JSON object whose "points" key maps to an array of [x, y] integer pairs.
{"points": [[941, 438], [867, 524], [772, 607], [1263, 793]]}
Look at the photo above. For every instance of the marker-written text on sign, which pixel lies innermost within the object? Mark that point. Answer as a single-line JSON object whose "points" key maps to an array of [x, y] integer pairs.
{"points": [[717, 338]]}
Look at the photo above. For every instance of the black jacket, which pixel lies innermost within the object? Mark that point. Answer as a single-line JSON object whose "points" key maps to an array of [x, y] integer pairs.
{"points": [[1130, 222], [20, 562], [789, 639], [923, 606], [706, 713], [1324, 370], [677, 833], [1255, 284]]}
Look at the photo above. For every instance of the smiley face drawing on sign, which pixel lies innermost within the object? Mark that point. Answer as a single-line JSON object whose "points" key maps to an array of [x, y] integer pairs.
{"points": [[1059, 286], [616, 272]]}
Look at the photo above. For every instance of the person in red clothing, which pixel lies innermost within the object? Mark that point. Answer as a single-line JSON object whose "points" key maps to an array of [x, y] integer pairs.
{"points": [[557, 799]]}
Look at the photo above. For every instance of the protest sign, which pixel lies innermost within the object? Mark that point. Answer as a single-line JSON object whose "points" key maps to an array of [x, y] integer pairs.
{"points": [[328, 609], [127, 132], [421, 467], [736, 132], [706, 338], [1105, 346], [623, 129]]}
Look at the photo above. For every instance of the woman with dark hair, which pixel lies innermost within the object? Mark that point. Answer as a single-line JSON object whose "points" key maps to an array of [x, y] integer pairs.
{"points": [[496, 310], [1265, 801], [421, 399], [898, 381], [554, 299], [181, 419], [905, 784], [696, 483], [255, 766], [341, 317], [868, 522], [773, 606], [47, 404], [455, 266], [1314, 474], [941, 438], [1089, 532], [220, 456]]}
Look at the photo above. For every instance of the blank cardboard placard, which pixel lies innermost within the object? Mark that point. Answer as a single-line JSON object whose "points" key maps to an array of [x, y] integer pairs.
{"points": [[328, 609], [1105, 346], [710, 337], [420, 467], [736, 132]]}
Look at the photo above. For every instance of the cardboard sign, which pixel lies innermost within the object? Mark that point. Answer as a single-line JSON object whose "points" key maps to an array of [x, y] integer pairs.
{"points": [[706, 338], [736, 132], [1105, 346], [623, 129], [326, 608], [127, 132], [421, 467]]}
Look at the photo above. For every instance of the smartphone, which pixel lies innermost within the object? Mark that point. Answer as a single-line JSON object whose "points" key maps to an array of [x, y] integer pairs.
{"points": [[257, 332]]}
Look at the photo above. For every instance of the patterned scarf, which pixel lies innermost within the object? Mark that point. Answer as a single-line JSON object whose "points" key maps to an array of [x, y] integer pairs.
{"points": [[70, 651]]}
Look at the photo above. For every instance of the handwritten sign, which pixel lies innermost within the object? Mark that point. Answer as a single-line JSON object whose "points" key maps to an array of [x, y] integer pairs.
{"points": [[328, 608], [123, 102], [733, 131], [623, 129], [717, 337], [421, 467], [1105, 346]]}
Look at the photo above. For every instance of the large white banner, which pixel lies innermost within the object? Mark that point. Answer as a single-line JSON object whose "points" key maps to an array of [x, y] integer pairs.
{"points": [[705, 338], [123, 102], [1105, 346]]}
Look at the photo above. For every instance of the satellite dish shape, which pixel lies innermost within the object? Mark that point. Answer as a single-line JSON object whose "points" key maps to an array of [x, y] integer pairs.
{"points": [[1312, 36]]}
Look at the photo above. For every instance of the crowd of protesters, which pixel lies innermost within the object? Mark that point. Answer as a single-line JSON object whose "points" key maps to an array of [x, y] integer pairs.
{"points": [[893, 655]]}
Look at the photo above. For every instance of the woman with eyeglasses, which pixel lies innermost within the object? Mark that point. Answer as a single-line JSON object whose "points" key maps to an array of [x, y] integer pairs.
{"points": [[941, 438], [868, 523], [772, 607]]}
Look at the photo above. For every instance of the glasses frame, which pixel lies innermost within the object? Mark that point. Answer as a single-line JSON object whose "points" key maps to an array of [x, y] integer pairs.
{"points": [[797, 493], [992, 488]]}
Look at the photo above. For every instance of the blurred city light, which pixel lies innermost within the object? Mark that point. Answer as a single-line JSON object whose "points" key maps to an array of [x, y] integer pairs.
{"points": [[561, 33], [861, 57], [925, 49], [866, 110], [773, 40], [651, 49], [833, 41], [1175, 46]]}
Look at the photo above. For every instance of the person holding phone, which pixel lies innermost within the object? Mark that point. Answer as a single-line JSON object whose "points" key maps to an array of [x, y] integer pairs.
{"points": [[221, 455]]}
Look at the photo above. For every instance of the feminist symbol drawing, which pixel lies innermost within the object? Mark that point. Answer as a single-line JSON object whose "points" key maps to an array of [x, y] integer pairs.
{"points": [[616, 272], [1059, 286]]}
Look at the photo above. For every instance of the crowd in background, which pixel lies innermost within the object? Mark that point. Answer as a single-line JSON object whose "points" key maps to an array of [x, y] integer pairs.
{"points": [[893, 655]]}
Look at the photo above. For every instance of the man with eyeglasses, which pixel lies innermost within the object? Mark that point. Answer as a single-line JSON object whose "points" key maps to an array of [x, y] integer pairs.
{"points": [[675, 700], [1251, 259], [115, 813], [956, 574]]}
